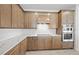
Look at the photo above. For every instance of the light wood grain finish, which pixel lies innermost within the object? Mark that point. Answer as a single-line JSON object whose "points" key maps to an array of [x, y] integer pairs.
{"points": [[48, 42], [17, 17], [28, 20], [35, 43], [23, 47], [59, 28], [5, 15], [68, 17], [56, 42], [14, 51], [29, 43], [68, 45], [41, 43], [53, 20]]}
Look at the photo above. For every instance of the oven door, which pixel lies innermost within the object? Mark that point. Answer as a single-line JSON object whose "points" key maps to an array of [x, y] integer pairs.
{"points": [[67, 37]]}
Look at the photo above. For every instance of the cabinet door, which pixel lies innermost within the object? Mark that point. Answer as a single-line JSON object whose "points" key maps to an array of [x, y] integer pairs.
{"points": [[67, 17], [41, 42], [23, 47], [32, 43], [30, 20], [14, 16], [5, 15], [53, 20], [35, 43], [17, 17], [29, 43], [59, 28], [14, 51], [56, 44], [48, 42], [68, 45]]}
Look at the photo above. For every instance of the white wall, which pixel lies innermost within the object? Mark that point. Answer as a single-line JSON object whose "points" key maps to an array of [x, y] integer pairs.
{"points": [[76, 45]]}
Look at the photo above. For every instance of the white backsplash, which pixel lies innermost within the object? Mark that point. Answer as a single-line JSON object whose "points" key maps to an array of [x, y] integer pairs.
{"points": [[9, 33]]}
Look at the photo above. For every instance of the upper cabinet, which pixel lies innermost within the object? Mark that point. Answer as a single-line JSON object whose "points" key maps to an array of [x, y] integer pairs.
{"points": [[43, 18], [17, 17], [53, 20], [49, 18], [5, 15], [30, 20], [67, 17], [11, 16]]}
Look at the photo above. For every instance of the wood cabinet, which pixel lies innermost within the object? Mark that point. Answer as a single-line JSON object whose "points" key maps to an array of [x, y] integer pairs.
{"points": [[41, 43], [59, 28], [68, 17], [14, 51], [17, 17], [23, 47], [35, 43], [48, 42], [19, 49], [67, 45], [65, 17], [56, 42], [30, 20], [49, 18], [5, 15], [32, 43], [29, 43], [53, 20]]}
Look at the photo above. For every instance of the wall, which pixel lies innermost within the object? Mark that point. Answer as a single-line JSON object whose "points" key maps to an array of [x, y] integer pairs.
{"points": [[76, 44]]}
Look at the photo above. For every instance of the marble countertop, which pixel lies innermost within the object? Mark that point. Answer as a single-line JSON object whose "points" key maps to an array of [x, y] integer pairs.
{"points": [[8, 44]]}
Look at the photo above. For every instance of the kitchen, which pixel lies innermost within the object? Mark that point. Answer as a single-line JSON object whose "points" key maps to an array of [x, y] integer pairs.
{"points": [[28, 28]]}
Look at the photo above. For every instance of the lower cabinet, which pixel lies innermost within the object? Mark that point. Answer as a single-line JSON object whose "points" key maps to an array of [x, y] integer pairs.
{"points": [[19, 49], [14, 51], [56, 42], [67, 45], [41, 43], [32, 43], [23, 47], [29, 43], [35, 43]]}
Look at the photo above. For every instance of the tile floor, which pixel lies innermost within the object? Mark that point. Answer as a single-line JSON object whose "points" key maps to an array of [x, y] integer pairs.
{"points": [[53, 52]]}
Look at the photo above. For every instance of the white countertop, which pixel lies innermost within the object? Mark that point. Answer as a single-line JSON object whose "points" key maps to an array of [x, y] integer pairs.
{"points": [[8, 44]]}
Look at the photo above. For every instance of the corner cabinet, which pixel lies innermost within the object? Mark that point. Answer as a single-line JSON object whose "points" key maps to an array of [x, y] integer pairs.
{"points": [[14, 51], [19, 49], [5, 15], [17, 17]]}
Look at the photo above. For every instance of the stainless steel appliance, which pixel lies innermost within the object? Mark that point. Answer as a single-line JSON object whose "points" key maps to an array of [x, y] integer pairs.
{"points": [[67, 32]]}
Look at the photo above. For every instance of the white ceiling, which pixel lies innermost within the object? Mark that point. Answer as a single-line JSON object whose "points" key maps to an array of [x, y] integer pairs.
{"points": [[47, 7]]}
